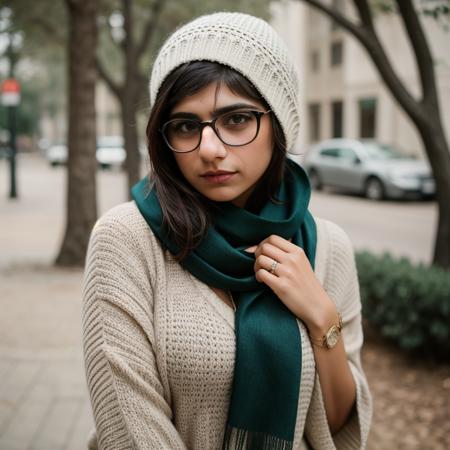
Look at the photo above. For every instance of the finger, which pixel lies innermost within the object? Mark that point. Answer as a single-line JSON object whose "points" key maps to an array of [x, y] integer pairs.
{"points": [[271, 251], [251, 249], [283, 244], [266, 263], [277, 241], [264, 276]]}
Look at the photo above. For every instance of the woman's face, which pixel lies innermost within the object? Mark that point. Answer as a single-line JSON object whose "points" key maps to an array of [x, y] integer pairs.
{"points": [[218, 171]]}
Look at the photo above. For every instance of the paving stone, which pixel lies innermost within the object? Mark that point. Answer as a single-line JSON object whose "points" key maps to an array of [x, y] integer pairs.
{"points": [[57, 424], [27, 418], [49, 395], [6, 366], [15, 388], [83, 424]]}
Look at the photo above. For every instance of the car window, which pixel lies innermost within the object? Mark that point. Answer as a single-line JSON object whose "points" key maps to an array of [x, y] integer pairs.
{"points": [[381, 152], [329, 152], [347, 153], [110, 142]]}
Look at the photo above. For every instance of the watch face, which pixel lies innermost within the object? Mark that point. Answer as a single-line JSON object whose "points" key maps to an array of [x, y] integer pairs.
{"points": [[332, 336]]}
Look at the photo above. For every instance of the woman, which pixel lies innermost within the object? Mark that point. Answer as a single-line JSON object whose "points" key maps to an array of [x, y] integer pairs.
{"points": [[214, 301]]}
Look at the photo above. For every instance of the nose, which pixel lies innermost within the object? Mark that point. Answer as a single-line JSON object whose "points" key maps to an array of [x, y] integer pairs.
{"points": [[211, 147]]}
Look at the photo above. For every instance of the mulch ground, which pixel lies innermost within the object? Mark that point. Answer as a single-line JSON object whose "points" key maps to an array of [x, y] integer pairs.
{"points": [[411, 398]]}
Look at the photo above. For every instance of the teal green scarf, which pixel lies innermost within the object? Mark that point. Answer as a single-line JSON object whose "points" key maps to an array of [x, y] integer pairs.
{"points": [[264, 399]]}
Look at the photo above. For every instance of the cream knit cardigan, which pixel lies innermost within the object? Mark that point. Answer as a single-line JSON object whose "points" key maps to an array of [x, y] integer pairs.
{"points": [[159, 344]]}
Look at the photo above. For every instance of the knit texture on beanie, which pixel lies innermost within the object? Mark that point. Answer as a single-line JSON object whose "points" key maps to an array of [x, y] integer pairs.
{"points": [[248, 45]]}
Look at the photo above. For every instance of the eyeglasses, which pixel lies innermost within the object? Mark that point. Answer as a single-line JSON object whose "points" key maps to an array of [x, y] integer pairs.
{"points": [[235, 128]]}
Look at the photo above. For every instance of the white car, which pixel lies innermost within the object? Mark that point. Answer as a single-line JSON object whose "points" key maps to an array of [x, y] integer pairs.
{"points": [[57, 154], [111, 151]]}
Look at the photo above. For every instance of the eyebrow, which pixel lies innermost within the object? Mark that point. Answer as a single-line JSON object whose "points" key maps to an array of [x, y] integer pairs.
{"points": [[215, 113]]}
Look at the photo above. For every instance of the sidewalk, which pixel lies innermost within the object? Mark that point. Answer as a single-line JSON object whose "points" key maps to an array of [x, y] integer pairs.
{"points": [[43, 397]]}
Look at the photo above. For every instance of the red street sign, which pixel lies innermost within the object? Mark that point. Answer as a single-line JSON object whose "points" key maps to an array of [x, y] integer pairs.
{"points": [[10, 90], [11, 85]]}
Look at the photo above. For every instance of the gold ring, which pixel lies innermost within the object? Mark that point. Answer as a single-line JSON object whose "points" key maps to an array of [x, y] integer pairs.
{"points": [[273, 266]]}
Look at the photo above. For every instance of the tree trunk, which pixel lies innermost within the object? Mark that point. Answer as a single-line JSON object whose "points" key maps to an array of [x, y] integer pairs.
{"points": [[130, 92], [81, 191], [439, 157], [128, 105]]}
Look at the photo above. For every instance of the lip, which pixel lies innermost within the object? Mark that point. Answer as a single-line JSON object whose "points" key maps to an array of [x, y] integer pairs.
{"points": [[217, 176]]}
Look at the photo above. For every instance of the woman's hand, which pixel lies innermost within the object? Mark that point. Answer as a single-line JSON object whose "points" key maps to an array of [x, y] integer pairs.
{"points": [[285, 268], [294, 282]]}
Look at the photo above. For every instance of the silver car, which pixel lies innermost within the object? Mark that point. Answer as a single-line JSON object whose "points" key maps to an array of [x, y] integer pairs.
{"points": [[367, 167]]}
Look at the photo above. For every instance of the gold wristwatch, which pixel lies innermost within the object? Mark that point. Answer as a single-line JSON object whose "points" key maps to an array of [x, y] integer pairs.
{"points": [[331, 337]]}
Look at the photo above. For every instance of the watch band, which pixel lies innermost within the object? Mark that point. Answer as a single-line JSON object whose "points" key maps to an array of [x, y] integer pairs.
{"points": [[334, 329]]}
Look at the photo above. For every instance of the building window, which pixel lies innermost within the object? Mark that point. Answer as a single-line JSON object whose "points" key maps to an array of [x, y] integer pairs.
{"points": [[315, 61], [314, 122], [336, 53], [367, 117], [337, 110]]}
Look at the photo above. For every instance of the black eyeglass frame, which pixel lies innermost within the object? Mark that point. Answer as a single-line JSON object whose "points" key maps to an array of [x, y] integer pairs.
{"points": [[212, 124]]}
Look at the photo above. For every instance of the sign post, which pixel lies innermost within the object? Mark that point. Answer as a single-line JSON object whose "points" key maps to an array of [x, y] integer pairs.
{"points": [[10, 97]]}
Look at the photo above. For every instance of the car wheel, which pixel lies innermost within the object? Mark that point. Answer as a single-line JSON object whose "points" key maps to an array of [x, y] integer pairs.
{"points": [[314, 179], [374, 189]]}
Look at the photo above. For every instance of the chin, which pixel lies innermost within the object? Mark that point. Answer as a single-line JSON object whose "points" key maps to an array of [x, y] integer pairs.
{"points": [[220, 196]]}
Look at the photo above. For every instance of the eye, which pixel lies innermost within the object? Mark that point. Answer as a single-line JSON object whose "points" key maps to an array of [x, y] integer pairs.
{"points": [[183, 127], [236, 119]]}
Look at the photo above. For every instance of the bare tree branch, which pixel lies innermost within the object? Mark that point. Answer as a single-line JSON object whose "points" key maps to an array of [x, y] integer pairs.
{"points": [[115, 88], [149, 28], [424, 60], [143, 82], [50, 30], [365, 14], [127, 43], [335, 15]]}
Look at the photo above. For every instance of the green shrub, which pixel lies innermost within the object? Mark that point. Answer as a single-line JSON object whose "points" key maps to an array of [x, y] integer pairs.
{"points": [[409, 304]]}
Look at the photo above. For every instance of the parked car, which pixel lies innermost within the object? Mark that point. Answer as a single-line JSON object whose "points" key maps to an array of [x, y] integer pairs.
{"points": [[378, 171], [57, 154], [110, 152]]}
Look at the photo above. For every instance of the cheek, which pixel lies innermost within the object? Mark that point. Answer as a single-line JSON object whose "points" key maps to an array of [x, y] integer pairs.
{"points": [[255, 162], [184, 163]]}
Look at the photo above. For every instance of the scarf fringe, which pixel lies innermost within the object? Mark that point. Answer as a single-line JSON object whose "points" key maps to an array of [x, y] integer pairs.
{"points": [[237, 439]]}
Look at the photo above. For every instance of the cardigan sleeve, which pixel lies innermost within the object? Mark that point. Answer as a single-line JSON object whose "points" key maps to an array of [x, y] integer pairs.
{"points": [[341, 283], [130, 407]]}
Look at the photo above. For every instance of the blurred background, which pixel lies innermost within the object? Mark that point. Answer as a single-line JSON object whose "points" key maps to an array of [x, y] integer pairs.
{"points": [[374, 92]]}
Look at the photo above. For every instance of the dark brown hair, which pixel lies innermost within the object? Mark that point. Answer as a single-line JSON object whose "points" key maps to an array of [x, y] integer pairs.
{"points": [[187, 214]]}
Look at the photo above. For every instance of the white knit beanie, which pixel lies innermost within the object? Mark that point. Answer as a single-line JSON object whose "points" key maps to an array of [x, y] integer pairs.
{"points": [[245, 43]]}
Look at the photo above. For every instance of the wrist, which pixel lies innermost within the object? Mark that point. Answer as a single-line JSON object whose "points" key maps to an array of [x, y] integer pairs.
{"points": [[320, 323]]}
